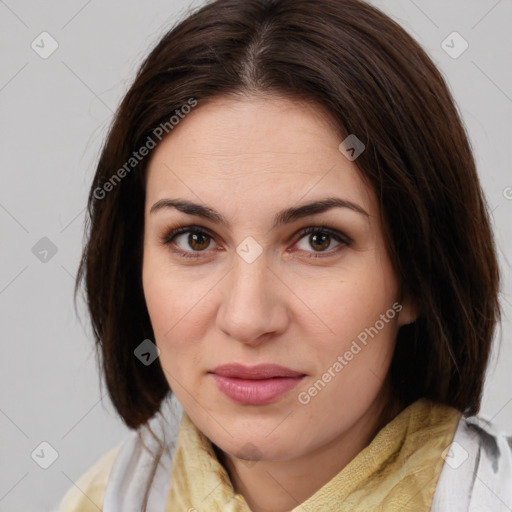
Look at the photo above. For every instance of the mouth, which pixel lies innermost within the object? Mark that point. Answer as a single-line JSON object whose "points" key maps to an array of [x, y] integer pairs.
{"points": [[255, 385]]}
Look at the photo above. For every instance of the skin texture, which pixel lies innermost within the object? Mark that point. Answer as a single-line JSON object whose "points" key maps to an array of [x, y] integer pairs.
{"points": [[248, 158]]}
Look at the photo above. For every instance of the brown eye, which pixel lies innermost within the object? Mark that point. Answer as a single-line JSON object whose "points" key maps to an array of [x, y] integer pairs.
{"points": [[198, 241], [320, 239]]}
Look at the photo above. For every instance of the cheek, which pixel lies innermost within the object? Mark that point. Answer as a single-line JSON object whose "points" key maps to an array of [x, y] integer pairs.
{"points": [[351, 303], [360, 312], [351, 365], [177, 304]]}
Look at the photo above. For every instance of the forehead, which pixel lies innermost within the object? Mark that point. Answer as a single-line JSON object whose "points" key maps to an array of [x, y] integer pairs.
{"points": [[254, 151]]}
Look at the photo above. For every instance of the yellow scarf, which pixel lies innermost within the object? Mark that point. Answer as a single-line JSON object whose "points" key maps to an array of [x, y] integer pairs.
{"points": [[397, 471]]}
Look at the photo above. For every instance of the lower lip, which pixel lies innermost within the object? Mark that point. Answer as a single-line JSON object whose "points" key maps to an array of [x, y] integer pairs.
{"points": [[255, 392]]}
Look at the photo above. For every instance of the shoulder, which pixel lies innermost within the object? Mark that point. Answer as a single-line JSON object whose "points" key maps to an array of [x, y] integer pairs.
{"points": [[477, 470], [86, 494]]}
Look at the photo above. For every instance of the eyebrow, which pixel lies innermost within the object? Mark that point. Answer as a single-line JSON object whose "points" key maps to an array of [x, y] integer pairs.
{"points": [[283, 217]]}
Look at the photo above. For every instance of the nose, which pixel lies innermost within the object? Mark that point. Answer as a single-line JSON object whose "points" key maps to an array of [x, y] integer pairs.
{"points": [[253, 307]]}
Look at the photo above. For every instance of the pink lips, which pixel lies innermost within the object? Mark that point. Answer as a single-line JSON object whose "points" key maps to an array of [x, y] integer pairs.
{"points": [[255, 385]]}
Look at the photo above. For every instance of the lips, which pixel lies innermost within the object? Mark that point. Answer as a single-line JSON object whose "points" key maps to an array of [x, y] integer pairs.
{"points": [[261, 371], [256, 385]]}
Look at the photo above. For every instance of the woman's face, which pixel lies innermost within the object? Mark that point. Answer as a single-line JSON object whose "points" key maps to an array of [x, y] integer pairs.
{"points": [[253, 291]]}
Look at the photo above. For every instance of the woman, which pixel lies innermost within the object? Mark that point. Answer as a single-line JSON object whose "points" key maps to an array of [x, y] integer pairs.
{"points": [[289, 255]]}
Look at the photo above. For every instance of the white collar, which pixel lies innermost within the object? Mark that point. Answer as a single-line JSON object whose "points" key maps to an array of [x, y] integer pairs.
{"points": [[130, 473], [477, 472]]}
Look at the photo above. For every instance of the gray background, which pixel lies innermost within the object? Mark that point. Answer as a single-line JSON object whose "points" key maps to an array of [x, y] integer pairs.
{"points": [[55, 113]]}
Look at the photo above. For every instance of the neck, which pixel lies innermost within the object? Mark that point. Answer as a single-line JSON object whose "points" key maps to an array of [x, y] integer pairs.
{"points": [[279, 486]]}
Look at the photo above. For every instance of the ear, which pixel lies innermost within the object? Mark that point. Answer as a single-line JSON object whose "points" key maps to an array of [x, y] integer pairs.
{"points": [[408, 312]]}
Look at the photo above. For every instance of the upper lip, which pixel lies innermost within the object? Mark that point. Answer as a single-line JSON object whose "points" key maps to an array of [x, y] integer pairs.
{"points": [[260, 371]]}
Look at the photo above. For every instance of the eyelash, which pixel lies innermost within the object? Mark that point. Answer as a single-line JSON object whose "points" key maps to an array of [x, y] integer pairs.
{"points": [[336, 235]]}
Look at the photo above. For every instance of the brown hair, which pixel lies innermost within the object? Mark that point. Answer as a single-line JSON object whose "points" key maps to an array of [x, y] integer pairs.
{"points": [[376, 82]]}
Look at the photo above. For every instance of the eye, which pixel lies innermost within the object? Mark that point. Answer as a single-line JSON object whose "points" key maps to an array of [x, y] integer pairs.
{"points": [[320, 238], [197, 239]]}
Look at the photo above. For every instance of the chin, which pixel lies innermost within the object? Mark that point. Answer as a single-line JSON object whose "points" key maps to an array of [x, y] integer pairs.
{"points": [[258, 445]]}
